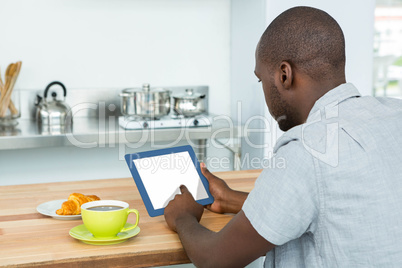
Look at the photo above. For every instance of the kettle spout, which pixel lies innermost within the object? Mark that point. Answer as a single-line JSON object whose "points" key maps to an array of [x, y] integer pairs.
{"points": [[38, 100]]}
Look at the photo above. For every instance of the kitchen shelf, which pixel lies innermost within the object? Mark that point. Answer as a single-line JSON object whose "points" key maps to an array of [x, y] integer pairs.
{"points": [[91, 132]]}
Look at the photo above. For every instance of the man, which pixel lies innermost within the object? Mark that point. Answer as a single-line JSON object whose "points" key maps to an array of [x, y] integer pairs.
{"points": [[338, 201]]}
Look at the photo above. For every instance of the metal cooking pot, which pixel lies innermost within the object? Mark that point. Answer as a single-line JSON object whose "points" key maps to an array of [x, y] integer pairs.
{"points": [[146, 102], [189, 103]]}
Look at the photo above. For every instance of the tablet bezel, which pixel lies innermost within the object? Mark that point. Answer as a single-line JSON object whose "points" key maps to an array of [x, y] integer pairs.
{"points": [[140, 185]]}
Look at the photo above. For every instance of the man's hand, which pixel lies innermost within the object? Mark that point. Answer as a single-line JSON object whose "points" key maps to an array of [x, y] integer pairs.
{"points": [[218, 189], [226, 200], [181, 207], [236, 245]]}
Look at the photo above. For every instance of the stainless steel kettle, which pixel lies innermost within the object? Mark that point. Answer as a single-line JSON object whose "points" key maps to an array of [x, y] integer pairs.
{"points": [[55, 112]]}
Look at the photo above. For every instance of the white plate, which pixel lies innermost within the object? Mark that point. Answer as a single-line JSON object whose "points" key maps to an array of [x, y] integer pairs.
{"points": [[49, 209]]}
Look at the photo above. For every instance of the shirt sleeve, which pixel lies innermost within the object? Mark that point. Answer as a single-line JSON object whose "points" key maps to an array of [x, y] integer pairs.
{"points": [[284, 202]]}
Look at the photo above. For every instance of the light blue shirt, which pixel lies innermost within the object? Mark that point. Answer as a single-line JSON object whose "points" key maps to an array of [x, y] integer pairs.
{"points": [[336, 199]]}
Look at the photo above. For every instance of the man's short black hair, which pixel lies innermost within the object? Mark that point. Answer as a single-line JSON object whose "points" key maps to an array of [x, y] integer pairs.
{"points": [[309, 39]]}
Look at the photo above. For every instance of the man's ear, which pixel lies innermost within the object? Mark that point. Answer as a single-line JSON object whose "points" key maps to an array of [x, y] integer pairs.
{"points": [[286, 74]]}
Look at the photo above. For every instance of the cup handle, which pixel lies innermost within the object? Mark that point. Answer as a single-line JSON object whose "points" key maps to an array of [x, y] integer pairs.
{"points": [[136, 222]]}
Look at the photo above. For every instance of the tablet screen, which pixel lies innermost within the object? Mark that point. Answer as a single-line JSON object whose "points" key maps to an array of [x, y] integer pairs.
{"points": [[162, 176]]}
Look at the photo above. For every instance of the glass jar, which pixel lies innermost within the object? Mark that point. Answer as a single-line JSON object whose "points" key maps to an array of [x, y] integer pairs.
{"points": [[10, 109]]}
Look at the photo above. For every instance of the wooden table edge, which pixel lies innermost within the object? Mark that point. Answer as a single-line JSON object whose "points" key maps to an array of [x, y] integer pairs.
{"points": [[135, 260]]}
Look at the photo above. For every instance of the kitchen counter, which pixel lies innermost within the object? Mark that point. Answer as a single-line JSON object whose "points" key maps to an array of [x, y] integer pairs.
{"points": [[92, 132], [28, 238]]}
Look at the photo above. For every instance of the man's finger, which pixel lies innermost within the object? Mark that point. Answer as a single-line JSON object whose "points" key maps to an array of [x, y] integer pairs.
{"points": [[205, 171], [183, 189]]}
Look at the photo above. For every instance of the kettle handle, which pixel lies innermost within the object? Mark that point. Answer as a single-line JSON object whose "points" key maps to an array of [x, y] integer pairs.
{"points": [[52, 84]]}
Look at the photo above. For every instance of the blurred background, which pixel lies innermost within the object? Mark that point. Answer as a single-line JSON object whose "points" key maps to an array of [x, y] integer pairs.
{"points": [[387, 64]]}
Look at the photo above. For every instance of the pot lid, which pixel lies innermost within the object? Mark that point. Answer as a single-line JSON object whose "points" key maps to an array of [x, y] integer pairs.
{"points": [[189, 94], [145, 88]]}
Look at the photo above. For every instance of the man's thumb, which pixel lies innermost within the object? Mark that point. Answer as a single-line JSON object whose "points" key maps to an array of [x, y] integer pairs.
{"points": [[204, 170], [183, 189]]}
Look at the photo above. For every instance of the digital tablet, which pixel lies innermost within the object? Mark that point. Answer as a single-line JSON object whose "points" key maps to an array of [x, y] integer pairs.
{"points": [[158, 175]]}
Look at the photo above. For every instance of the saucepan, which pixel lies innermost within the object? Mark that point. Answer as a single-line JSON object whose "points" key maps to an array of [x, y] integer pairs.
{"points": [[189, 103], [145, 102]]}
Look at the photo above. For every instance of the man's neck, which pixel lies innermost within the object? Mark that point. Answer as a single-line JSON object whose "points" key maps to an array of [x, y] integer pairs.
{"points": [[314, 92]]}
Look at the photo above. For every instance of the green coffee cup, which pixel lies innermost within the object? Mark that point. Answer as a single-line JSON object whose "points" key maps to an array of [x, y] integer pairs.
{"points": [[106, 218]]}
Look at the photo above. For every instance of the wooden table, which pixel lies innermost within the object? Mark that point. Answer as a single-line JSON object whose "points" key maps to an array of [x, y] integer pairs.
{"points": [[28, 238]]}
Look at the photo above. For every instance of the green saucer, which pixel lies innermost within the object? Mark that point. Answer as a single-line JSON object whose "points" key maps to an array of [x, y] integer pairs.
{"points": [[81, 233]]}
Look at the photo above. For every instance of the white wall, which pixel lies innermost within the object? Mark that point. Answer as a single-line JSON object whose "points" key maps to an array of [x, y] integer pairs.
{"points": [[110, 44], [248, 21], [119, 43], [356, 19]]}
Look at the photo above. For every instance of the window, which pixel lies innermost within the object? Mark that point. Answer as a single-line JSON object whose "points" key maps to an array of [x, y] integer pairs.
{"points": [[387, 67]]}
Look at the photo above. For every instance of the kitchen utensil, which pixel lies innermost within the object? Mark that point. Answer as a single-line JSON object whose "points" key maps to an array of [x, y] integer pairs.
{"points": [[189, 103], [11, 77], [150, 103], [7, 95], [53, 113], [12, 73]]}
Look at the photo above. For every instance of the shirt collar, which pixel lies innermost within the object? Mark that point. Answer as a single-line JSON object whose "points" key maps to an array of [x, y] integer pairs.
{"points": [[334, 97], [325, 107]]}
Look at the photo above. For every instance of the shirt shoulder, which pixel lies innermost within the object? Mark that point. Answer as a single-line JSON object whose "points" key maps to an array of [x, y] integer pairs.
{"points": [[284, 202]]}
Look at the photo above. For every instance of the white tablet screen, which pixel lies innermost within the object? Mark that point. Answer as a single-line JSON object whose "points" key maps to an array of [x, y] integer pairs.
{"points": [[162, 176]]}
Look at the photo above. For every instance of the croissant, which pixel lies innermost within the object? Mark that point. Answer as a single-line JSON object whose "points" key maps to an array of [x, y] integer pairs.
{"points": [[73, 205]]}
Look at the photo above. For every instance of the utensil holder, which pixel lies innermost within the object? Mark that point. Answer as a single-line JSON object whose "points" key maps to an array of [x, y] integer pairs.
{"points": [[12, 111]]}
